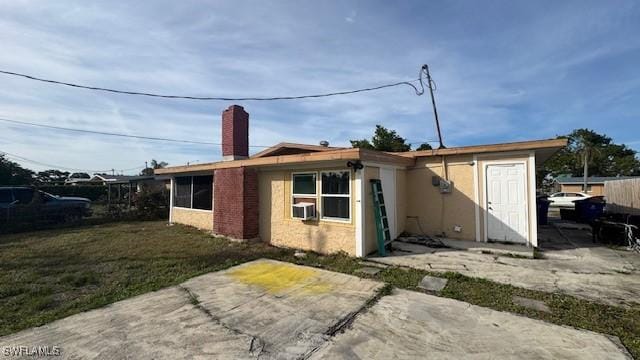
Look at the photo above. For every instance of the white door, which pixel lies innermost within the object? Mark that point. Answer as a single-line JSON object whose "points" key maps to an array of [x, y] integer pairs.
{"points": [[388, 180], [506, 203]]}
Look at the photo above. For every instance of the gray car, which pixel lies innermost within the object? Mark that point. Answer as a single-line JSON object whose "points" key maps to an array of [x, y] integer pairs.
{"points": [[14, 202]]}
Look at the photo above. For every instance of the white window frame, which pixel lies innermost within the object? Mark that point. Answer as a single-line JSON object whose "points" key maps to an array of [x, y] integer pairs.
{"points": [[307, 196], [322, 196]]}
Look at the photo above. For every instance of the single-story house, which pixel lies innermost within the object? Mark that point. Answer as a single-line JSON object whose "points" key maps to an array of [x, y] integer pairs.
{"points": [[595, 184], [480, 193]]}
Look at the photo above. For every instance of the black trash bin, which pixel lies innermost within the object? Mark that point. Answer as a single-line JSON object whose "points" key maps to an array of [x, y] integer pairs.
{"points": [[542, 210], [589, 209]]}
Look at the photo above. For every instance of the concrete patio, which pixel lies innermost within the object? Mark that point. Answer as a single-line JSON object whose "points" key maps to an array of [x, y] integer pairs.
{"points": [[270, 309]]}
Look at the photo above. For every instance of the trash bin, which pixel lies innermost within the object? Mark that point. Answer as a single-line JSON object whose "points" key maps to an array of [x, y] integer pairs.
{"points": [[542, 210], [589, 209]]}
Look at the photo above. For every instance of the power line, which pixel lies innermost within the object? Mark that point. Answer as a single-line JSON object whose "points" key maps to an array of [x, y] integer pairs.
{"points": [[18, 122], [140, 93], [117, 134], [21, 158]]}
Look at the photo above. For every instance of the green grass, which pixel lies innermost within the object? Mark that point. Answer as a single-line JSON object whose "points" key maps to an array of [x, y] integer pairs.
{"points": [[47, 275]]}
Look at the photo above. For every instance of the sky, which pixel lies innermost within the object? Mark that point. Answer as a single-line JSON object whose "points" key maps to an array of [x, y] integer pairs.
{"points": [[504, 70]]}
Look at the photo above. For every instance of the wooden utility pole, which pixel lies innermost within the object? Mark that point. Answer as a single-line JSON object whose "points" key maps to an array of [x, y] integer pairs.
{"points": [[433, 102]]}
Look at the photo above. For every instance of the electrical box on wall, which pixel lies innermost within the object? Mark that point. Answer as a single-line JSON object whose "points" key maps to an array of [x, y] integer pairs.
{"points": [[445, 186]]}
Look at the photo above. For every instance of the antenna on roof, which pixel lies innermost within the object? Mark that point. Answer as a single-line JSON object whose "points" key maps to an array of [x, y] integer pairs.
{"points": [[431, 85]]}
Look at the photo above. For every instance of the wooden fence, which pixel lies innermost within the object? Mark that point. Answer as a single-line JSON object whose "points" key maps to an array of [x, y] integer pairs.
{"points": [[623, 196]]}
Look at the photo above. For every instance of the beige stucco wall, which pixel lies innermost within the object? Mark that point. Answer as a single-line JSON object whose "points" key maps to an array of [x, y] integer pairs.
{"points": [[201, 219], [440, 213], [278, 228]]}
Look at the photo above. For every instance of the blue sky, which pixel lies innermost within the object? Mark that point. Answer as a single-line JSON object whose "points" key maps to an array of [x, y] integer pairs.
{"points": [[505, 71]]}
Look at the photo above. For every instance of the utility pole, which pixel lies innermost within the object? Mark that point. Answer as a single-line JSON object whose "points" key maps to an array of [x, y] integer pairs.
{"points": [[425, 67]]}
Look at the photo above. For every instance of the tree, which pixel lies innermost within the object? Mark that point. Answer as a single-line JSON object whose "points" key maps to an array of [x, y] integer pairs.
{"points": [[383, 140], [51, 176], [424, 146], [11, 173], [154, 165], [590, 153]]}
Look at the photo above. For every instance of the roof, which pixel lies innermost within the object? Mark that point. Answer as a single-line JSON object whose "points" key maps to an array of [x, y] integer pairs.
{"points": [[113, 179], [313, 154], [330, 155], [593, 179], [477, 149], [285, 148]]}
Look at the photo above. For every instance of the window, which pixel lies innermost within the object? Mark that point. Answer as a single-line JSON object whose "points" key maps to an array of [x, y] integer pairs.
{"points": [[23, 196], [336, 195], [203, 192], [194, 192], [183, 192], [304, 184], [5, 196]]}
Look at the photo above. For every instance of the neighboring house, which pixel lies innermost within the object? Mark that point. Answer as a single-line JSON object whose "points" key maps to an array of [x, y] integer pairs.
{"points": [[491, 194], [135, 182], [595, 185]]}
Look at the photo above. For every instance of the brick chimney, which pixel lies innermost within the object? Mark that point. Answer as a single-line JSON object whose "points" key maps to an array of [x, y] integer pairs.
{"points": [[235, 133], [235, 209]]}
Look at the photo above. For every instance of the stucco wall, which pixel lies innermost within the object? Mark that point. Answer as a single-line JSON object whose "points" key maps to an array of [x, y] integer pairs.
{"points": [[201, 219], [279, 229], [440, 213]]}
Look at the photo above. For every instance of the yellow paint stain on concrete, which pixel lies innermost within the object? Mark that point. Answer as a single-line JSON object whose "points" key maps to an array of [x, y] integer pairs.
{"points": [[277, 278]]}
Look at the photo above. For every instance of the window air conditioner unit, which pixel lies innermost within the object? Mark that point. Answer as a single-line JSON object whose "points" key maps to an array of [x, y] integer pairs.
{"points": [[304, 211]]}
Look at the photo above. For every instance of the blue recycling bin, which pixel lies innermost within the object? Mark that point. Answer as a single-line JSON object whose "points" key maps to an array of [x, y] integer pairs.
{"points": [[589, 209], [542, 210]]}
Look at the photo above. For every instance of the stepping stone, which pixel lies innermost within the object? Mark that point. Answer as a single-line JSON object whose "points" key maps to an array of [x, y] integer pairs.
{"points": [[531, 304], [433, 283], [369, 270]]}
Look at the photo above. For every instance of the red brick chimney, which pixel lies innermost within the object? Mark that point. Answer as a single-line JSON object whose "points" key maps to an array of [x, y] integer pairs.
{"points": [[235, 133], [235, 209]]}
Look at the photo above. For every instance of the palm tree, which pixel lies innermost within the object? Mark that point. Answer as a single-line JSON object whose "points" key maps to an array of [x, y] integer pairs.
{"points": [[587, 147]]}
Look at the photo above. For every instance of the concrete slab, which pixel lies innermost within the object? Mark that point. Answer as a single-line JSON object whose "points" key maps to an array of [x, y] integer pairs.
{"points": [[369, 270], [162, 324], [290, 308], [259, 309], [410, 325], [433, 283], [595, 273], [530, 303]]}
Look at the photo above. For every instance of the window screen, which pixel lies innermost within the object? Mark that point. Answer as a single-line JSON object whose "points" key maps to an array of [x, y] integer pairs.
{"points": [[202, 192], [336, 197], [304, 184], [183, 192]]}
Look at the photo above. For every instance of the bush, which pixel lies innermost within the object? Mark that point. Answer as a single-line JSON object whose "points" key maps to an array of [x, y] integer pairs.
{"points": [[91, 192], [152, 204]]}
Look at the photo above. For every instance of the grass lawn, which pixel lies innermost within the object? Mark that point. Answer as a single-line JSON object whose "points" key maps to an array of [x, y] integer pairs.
{"points": [[47, 275]]}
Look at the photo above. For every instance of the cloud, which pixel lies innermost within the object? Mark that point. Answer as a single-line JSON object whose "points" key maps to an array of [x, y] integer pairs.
{"points": [[512, 72]]}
